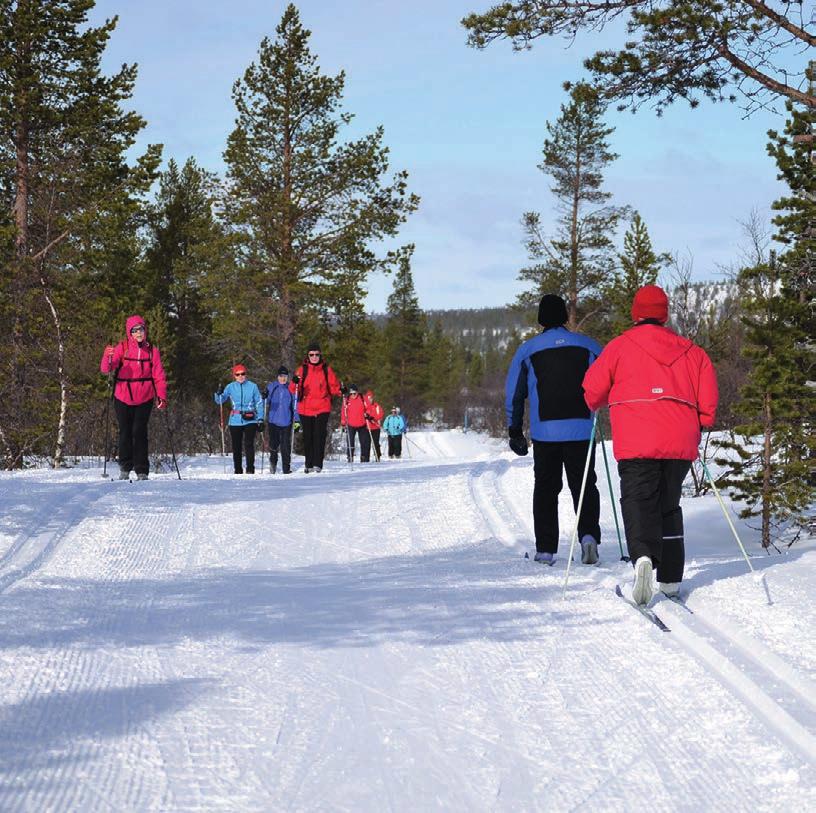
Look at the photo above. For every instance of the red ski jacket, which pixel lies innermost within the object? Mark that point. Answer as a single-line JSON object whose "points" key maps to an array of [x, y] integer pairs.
{"points": [[317, 385], [138, 367], [375, 412], [660, 389], [354, 410]]}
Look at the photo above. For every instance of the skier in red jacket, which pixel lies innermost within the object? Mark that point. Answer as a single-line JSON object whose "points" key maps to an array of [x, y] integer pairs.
{"points": [[136, 367], [661, 389], [353, 417], [316, 384], [374, 418]]}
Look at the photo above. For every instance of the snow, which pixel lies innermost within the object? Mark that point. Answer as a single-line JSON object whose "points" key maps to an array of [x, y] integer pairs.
{"points": [[374, 640]]}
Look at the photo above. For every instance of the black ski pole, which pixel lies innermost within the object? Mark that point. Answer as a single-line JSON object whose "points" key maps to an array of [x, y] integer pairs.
{"points": [[172, 445], [107, 415], [624, 557]]}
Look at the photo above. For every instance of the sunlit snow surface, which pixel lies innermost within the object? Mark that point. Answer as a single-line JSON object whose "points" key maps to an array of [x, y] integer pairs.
{"points": [[374, 640]]}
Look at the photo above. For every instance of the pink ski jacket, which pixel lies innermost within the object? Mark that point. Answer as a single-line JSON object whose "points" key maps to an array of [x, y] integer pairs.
{"points": [[137, 366], [660, 389]]}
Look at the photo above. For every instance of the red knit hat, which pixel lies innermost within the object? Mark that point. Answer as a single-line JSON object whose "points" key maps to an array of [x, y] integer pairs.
{"points": [[238, 368], [650, 302]]}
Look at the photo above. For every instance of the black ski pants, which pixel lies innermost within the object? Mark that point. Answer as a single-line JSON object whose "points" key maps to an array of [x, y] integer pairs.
{"points": [[365, 443], [132, 420], [394, 445], [652, 516], [549, 459], [375, 436], [314, 438], [243, 435], [280, 439]]}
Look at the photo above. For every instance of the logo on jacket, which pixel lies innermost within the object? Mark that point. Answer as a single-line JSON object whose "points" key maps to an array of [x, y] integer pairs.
{"points": [[560, 341], [657, 390]]}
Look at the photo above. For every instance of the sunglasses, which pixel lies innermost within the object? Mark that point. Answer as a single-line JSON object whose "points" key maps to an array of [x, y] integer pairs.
{"points": [[314, 355], [138, 329], [240, 375]]}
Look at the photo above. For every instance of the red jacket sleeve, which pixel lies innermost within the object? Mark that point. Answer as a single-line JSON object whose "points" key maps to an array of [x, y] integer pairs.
{"points": [[159, 378], [598, 381], [707, 393], [104, 365]]}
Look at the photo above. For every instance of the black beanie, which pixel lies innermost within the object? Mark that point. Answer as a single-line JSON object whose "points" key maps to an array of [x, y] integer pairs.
{"points": [[313, 346], [552, 311], [283, 370]]}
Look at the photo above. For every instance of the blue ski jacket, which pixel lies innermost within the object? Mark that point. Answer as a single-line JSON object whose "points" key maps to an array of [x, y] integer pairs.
{"points": [[245, 397], [280, 404], [394, 425], [549, 370]]}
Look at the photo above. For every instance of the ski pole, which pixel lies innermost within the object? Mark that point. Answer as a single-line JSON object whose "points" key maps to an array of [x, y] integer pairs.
{"points": [[726, 515], [107, 423], [349, 451], [373, 447], [221, 424], [623, 558], [580, 502], [170, 435]]}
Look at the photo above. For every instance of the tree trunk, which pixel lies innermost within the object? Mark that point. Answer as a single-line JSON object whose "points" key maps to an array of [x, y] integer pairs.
{"points": [[572, 293], [289, 317], [767, 421], [59, 448]]}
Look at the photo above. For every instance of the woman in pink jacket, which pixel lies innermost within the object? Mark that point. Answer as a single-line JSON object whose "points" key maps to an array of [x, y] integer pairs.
{"points": [[660, 389], [137, 371]]}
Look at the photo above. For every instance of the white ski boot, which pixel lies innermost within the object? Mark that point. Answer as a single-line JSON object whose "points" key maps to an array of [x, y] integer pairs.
{"points": [[642, 589]]}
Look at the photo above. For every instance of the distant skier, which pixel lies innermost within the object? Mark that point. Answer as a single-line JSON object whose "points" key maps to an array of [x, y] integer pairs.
{"points": [[394, 426], [660, 389], [136, 367], [548, 369], [246, 417], [280, 414], [374, 417], [316, 384], [353, 418]]}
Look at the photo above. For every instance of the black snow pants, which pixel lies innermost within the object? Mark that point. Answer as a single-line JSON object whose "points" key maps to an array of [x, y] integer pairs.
{"points": [[132, 422], [365, 443], [280, 438], [314, 438], [549, 458], [375, 436], [245, 433], [652, 516], [394, 445]]}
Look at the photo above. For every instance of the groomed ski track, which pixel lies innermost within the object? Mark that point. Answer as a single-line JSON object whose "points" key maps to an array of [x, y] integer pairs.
{"points": [[374, 640]]}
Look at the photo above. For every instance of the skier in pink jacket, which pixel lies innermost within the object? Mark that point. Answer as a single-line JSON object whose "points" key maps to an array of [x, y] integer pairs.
{"points": [[139, 378]]}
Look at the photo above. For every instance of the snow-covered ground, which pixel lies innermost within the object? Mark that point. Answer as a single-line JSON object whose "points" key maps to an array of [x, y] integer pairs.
{"points": [[374, 640]]}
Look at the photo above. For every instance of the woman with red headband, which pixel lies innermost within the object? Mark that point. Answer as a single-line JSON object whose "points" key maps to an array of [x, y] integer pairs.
{"points": [[246, 416]]}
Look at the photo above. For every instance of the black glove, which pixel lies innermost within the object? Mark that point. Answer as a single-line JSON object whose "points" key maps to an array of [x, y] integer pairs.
{"points": [[343, 390], [295, 379], [518, 443], [367, 416], [261, 425], [220, 389]]}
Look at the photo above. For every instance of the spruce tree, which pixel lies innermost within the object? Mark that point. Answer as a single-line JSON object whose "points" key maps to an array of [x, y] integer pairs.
{"points": [[64, 175], [186, 258], [579, 258], [775, 463], [404, 339], [638, 266], [308, 208]]}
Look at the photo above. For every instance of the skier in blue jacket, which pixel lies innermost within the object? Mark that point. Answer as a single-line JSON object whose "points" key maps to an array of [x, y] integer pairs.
{"points": [[549, 370], [246, 416], [280, 414], [394, 426]]}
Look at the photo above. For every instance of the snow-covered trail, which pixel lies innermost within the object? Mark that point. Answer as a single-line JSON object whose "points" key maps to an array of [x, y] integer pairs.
{"points": [[374, 640]]}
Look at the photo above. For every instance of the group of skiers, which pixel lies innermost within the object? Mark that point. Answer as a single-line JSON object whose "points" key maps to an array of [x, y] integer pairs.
{"points": [[661, 390], [304, 403]]}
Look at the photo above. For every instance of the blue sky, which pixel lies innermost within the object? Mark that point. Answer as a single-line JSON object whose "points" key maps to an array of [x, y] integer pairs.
{"points": [[467, 125]]}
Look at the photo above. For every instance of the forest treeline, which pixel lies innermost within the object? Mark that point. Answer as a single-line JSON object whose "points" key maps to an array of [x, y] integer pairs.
{"points": [[253, 264]]}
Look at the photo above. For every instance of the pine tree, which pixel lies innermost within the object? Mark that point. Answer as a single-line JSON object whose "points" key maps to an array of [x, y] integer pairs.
{"points": [[579, 259], [638, 266], [674, 49], [63, 169], [307, 207]]}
